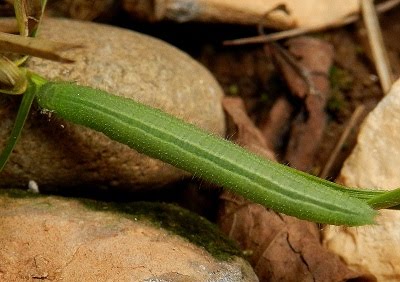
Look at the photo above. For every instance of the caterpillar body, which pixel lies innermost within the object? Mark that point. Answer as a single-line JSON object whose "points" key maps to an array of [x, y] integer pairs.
{"points": [[162, 136]]}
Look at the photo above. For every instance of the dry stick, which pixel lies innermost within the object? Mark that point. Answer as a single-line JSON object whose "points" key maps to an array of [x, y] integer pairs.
{"points": [[37, 47], [377, 45], [380, 8], [300, 70], [345, 135]]}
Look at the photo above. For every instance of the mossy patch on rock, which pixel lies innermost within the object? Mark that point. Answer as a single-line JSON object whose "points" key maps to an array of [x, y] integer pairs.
{"points": [[177, 220]]}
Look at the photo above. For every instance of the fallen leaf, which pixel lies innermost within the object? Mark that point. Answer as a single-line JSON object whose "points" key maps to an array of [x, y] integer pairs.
{"points": [[305, 70], [280, 247], [316, 57], [280, 14], [276, 124], [247, 134]]}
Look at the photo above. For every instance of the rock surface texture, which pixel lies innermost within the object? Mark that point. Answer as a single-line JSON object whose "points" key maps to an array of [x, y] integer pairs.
{"points": [[374, 163], [52, 238], [56, 153]]}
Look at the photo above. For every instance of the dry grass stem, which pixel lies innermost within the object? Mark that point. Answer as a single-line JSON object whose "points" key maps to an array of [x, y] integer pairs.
{"points": [[377, 45], [355, 117], [35, 47]]}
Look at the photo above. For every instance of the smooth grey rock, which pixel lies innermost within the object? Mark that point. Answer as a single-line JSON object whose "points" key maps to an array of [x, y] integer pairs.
{"points": [[56, 153]]}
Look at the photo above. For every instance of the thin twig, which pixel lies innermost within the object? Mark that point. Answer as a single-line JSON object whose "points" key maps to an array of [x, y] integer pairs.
{"points": [[343, 138], [37, 47], [275, 48], [377, 45], [299, 70], [380, 8]]}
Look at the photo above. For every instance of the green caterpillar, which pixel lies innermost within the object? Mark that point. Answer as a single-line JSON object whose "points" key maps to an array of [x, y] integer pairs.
{"points": [[169, 139]]}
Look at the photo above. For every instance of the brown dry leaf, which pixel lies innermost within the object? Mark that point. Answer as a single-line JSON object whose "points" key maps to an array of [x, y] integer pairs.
{"points": [[276, 123], [248, 135], [316, 56], [41, 48], [280, 247], [307, 78]]}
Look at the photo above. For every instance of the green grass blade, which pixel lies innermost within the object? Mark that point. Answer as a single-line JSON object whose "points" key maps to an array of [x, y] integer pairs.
{"points": [[23, 112], [390, 199], [22, 115]]}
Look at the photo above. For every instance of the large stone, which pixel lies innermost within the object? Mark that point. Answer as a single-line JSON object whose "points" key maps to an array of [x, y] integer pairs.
{"points": [[56, 153], [374, 163], [52, 238]]}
